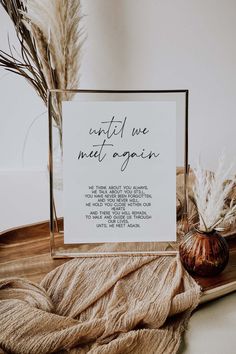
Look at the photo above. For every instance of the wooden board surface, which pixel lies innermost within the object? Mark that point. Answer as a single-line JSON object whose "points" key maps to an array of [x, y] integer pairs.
{"points": [[24, 252]]}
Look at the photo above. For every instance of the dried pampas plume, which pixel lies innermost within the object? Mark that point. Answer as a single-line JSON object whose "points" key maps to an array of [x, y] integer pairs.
{"points": [[50, 37], [211, 191], [55, 26]]}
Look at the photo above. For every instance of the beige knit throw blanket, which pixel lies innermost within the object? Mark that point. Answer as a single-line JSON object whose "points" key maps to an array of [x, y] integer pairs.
{"points": [[99, 305]]}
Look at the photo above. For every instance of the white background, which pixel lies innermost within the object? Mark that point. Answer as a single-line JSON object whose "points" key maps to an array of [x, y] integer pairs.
{"points": [[138, 44]]}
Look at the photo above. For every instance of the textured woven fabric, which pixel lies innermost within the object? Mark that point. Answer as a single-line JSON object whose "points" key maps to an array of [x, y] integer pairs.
{"points": [[99, 305]]}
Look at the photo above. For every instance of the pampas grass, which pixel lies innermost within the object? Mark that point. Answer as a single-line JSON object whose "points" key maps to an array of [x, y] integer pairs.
{"points": [[54, 24], [211, 191], [50, 39], [26, 63]]}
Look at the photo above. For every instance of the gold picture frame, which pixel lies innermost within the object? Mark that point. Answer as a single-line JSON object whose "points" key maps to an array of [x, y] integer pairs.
{"points": [[57, 246]]}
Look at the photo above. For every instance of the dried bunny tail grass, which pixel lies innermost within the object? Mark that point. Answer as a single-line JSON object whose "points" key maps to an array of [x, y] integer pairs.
{"points": [[59, 20], [210, 193]]}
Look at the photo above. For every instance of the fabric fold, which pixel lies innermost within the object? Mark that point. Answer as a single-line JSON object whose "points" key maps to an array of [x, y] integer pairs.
{"points": [[99, 305]]}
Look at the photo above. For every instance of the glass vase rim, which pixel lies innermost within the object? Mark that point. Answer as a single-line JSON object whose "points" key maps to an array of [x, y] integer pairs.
{"points": [[206, 233]]}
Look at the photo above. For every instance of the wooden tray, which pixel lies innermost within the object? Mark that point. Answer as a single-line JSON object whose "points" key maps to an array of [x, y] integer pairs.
{"points": [[24, 252]]}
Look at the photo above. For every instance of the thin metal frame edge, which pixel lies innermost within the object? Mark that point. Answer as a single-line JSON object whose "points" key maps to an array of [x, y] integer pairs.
{"points": [[60, 254]]}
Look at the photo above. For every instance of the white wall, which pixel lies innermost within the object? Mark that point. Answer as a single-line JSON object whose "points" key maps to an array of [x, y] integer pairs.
{"points": [[139, 44]]}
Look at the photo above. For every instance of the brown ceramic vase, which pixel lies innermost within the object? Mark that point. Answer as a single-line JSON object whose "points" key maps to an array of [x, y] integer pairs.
{"points": [[204, 254]]}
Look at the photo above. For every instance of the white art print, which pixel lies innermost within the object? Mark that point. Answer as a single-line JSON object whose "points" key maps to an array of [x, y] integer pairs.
{"points": [[119, 163]]}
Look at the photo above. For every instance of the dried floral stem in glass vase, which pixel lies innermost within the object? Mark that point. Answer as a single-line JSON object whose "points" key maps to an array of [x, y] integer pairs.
{"points": [[50, 39], [211, 190], [203, 251]]}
